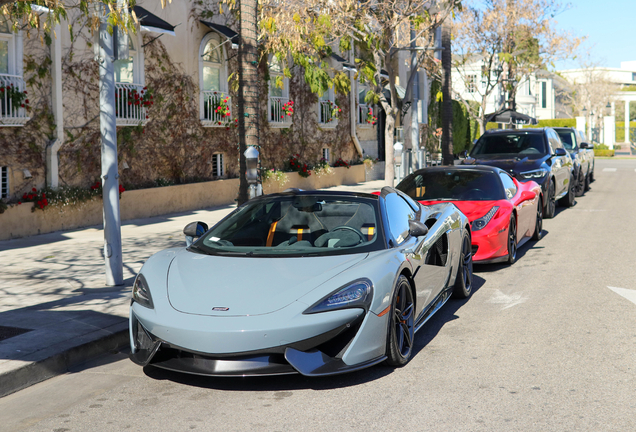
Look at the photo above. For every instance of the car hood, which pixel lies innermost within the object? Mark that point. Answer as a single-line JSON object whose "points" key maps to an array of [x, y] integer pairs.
{"points": [[471, 209], [512, 165], [247, 285]]}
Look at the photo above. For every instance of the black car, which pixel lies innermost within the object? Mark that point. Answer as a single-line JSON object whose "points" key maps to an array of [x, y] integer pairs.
{"points": [[530, 154], [582, 154]]}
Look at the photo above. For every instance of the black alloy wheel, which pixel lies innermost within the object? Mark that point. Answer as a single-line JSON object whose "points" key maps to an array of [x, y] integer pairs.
{"points": [[568, 199], [592, 175], [550, 205], [464, 280], [401, 325], [587, 181], [512, 240], [579, 187], [538, 226]]}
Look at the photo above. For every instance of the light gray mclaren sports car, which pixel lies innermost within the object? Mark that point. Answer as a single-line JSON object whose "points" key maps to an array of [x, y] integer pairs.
{"points": [[317, 283]]}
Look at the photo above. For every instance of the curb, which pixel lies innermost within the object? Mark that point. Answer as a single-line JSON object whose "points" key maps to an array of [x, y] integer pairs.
{"points": [[60, 363]]}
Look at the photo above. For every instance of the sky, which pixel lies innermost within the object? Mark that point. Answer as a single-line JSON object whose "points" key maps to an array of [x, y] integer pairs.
{"points": [[610, 27]]}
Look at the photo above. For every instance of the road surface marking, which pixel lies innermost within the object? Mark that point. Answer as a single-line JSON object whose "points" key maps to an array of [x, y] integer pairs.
{"points": [[507, 300], [609, 169], [627, 293]]}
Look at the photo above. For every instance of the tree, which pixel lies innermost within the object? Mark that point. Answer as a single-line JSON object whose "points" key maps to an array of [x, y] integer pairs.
{"points": [[510, 40], [378, 30]]}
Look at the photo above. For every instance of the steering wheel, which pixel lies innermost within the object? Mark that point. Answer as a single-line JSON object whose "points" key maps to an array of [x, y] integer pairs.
{"points": [[475, 194], [347, 227]]}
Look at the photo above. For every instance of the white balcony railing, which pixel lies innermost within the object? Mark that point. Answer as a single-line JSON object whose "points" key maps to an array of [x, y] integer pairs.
{"points": [[12, 114], [276, 114], [325, 116], [217, 109], [363, 111], [129, 104]]}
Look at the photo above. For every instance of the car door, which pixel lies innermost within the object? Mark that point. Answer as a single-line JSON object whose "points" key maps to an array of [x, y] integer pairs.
{"points": [[429, 276], [525, 213], [561, 165]]}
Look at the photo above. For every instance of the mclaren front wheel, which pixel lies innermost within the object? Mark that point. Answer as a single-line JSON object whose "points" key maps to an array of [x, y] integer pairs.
{"points": [[401, 325]]}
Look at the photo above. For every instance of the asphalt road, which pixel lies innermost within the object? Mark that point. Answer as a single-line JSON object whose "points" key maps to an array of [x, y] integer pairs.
{"points": [[548, 344]]}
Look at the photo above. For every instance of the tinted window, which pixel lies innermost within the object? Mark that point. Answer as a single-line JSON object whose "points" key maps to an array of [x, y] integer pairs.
{"points": [[398, 212], [555, 141], [444, 185], [567, 138], [508, 184], [529, 145], [296, 225]]}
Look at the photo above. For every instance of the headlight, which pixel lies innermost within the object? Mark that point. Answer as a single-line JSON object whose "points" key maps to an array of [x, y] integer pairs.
{"points": [[141, 292], [540, 173], [355, 294], [483, 221]]}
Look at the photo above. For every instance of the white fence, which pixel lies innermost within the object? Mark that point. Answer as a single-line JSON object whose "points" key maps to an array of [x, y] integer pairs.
{"points": [[129, 104], [216, 107], [12, 114]]}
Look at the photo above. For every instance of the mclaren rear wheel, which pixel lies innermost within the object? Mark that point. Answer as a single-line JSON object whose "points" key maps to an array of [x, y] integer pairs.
{"points": [[512, 240], [464, 280], [568, 199], [401, 325]]}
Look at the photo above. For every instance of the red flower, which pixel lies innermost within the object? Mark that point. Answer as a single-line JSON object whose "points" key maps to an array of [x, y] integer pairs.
{"points": [[34, 190], [121, 189], [22, 105], [19, 202], [43, 195], [26, 101], [25, 92], [24, 196], [45, 202]]}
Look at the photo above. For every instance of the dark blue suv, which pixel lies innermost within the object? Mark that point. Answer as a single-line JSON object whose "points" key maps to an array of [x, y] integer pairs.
{"points": [[529, 154]]}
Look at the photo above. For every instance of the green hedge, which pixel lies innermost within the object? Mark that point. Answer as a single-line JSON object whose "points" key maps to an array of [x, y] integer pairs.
{"points": [[620, 130], [604, 153]]}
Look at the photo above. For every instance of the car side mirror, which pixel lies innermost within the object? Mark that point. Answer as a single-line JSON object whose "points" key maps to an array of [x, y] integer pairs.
{"points": [[417, 228], [585, 145], [560, 152], [194, 230], [528, 195]]}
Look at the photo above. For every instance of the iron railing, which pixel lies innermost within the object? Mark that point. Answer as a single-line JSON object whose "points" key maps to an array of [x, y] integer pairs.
{"points": [[129, 104], [363, 111], [275, 112], [12, 114], [325, 116], [217, 109]]}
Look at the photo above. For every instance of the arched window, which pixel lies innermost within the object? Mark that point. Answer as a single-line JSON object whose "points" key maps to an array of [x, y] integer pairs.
{"points": [[13, 100], [216, 104]]}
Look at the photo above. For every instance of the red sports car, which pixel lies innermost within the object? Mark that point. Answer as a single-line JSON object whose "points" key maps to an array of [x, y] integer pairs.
{"points": [[504, 213]]}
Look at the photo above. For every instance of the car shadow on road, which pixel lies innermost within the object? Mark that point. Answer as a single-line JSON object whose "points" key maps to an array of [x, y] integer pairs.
{"points": [[299, 382], [532, 244]]}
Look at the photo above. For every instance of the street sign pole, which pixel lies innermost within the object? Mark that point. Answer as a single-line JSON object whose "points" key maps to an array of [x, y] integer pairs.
{"points": [[110, 174]]}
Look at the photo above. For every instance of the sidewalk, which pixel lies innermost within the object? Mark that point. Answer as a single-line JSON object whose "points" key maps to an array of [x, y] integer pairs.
{"points": [[55, 310]]}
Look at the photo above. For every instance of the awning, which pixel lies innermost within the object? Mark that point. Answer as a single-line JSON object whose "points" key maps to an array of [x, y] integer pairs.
{"points": [[224, 31], [152, 23], [346, 66], [509, 116]]}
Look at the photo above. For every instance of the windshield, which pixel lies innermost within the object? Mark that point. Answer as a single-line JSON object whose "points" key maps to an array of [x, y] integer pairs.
{"points": [[567, 138], [452, 184], [520, 144], [296, 225]]}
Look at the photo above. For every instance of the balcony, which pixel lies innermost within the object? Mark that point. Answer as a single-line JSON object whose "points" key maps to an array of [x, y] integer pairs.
{"points": [[276, 115], [325, 115], [363, 112], [12, 97], [129, 104], [217, 109]]}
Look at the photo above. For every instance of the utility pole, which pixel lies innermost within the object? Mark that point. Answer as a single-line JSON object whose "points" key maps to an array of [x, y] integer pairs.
{"points": [[447, 102], [248, 94], [110, 174]]}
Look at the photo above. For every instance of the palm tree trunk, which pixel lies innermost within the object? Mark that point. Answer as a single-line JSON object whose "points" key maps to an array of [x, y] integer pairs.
{"points": [[447, 102]]}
